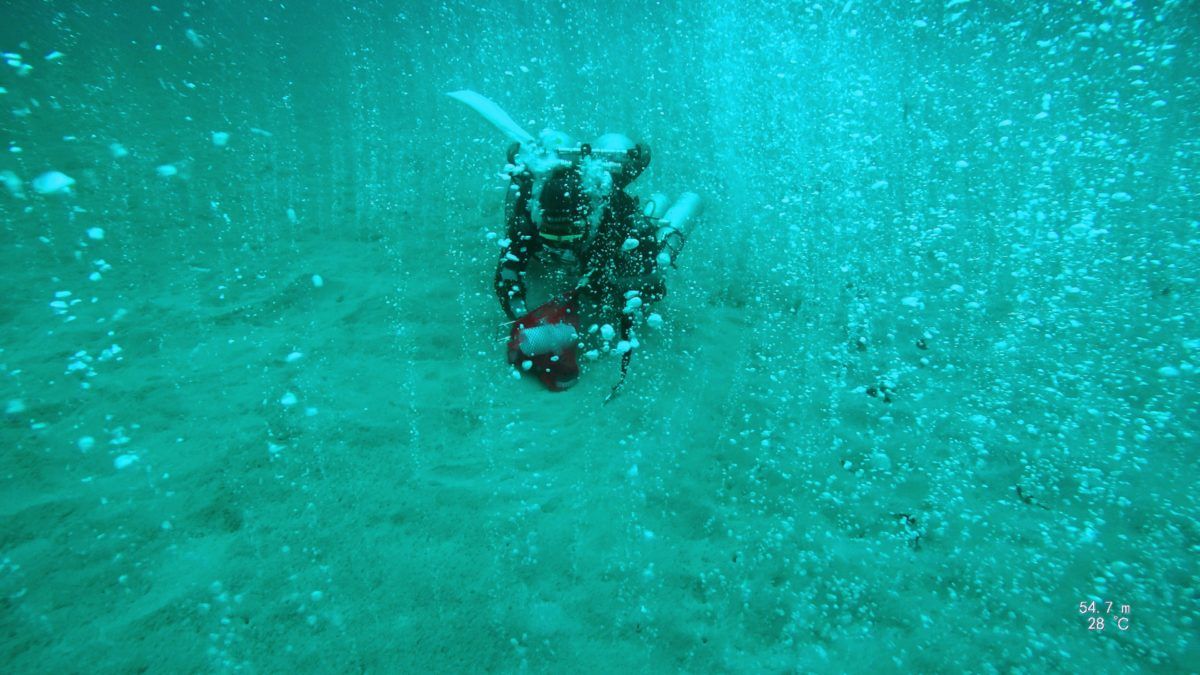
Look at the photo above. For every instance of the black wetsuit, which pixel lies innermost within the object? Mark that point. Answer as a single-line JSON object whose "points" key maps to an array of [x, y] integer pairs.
{"points": [[607, 270]]}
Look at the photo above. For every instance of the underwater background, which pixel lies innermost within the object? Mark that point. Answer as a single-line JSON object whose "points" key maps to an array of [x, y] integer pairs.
{"points": [[924, 399]]}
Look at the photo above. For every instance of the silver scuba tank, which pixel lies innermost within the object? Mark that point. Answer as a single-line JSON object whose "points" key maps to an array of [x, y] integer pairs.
{"points": [[656, 206], [675, 226]]}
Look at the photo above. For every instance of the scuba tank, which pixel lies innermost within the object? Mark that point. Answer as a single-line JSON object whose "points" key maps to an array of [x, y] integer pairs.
{"points": [[675, 226], [656, 207]]}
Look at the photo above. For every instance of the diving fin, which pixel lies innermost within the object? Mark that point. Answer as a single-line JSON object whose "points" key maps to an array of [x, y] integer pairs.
{"points": [[492, 113]]}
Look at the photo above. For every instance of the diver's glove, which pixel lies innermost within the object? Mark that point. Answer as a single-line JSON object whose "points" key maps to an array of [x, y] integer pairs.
{"points": [[639, 159], [515, 170], [640, 154]]}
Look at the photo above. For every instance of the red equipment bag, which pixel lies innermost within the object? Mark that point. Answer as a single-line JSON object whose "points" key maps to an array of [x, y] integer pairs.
{"points": [[548, 337]]}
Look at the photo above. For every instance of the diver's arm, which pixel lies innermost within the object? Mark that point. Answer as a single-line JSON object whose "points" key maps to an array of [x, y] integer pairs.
{"points": [[510, 284], [514, 256]]}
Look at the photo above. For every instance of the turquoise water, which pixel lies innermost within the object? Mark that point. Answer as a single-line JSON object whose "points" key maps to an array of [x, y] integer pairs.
{"points": [[924, 397]]}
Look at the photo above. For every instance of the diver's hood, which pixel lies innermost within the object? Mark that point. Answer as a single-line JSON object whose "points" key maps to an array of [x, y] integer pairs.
{"points": [[564, 208]]}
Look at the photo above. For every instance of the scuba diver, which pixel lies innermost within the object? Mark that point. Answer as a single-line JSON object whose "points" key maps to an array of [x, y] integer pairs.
{"points": [[563, 218], [567, 205]]}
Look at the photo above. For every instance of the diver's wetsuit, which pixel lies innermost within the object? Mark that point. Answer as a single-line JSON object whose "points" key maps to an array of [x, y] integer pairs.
{"points": [[607, 270], [610, 270], [522, 243]]}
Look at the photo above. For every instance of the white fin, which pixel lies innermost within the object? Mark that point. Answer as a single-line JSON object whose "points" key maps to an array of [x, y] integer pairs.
{"points": [[492, 113]]}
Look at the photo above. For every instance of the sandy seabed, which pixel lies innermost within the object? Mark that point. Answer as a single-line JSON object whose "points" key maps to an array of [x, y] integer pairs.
{"points": [[418, 508]]}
